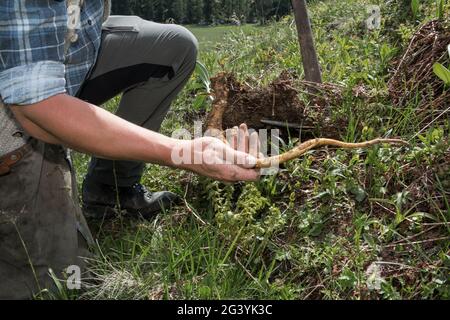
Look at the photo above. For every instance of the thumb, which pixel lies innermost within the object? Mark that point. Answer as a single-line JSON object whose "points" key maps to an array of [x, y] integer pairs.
{"points": [[245, 160]]}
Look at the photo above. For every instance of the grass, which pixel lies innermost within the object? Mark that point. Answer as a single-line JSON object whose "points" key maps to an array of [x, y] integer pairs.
{"points": [[209, 37], [370, 224]]}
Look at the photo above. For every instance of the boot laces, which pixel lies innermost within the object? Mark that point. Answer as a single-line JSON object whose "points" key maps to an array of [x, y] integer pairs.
{"points": [[141, 189]]}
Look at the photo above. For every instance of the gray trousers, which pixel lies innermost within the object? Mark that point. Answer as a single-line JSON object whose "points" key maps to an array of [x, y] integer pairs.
{"points": [[150, 64], [41, 224]]}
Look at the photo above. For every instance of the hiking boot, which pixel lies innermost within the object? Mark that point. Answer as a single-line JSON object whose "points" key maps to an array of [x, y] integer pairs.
{"points": [[101, 201]]}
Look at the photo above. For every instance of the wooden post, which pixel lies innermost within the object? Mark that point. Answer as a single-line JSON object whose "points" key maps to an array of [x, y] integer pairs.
{"points": [[306, 40]]}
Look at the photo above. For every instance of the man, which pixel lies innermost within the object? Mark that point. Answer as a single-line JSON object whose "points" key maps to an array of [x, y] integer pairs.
{"points": [[57, 65]]}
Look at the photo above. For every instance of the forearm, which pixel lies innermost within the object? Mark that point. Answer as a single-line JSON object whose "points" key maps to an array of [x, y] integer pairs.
{"points": [[65, 120]]}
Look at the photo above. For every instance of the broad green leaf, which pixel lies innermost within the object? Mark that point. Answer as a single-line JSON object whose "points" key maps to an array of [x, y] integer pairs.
{"points": [[442, 72], [204, 75], [199, 102]]}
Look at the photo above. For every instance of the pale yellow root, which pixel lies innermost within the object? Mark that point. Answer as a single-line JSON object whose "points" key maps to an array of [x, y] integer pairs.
{"points": [[317, 143], [221, 93]]}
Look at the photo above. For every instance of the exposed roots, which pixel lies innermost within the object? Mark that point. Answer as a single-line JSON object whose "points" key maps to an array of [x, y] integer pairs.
{"points": [[287, 102], [414, 79], [301, 149], [226, 90], [221, 94]]}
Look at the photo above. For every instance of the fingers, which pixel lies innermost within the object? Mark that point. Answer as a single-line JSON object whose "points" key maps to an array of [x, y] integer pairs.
{"points": [[254, 145], [244, 139], [245, 160], [233, 137], [237, 174], [237, 160], [239, 138], [242, 144], [247, 175], [223, 163]]}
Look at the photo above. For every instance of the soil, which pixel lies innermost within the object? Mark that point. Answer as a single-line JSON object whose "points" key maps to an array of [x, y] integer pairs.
{"points": [[413, 76], [280, 102]]}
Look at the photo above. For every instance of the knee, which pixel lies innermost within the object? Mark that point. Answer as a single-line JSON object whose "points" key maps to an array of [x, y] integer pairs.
{"points": [[186, 42]]}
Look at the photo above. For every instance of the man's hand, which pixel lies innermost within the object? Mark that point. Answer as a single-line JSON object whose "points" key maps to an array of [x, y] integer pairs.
{"points": [[213, 158]]}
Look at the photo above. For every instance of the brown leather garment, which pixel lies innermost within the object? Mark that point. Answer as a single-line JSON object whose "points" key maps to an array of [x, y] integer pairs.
{"points": [[10, 159]]}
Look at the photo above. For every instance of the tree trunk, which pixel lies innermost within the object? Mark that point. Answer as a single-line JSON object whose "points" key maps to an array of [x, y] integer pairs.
{"points": [[306, 39]]}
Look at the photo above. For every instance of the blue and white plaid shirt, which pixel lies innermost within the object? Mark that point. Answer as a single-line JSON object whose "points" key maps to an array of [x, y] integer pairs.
{"points": [[33, 66]]}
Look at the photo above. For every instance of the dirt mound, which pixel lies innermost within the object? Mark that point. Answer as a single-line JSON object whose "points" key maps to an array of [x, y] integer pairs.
{"points": [[414, 78], [279, 101], [277, 104]]}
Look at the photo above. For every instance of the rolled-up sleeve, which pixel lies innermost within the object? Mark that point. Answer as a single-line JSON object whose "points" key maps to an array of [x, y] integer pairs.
{"points": [[32, 83], [32, 50]]}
